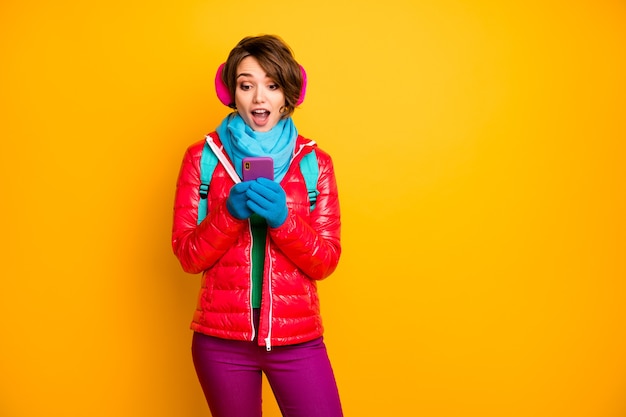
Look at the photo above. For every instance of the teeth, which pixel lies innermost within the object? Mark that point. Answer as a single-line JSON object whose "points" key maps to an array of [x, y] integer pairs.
{"points": [[259, 111]]}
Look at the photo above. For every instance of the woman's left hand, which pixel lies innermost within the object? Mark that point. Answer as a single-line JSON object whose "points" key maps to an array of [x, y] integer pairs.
{"points": [[267, 199]]}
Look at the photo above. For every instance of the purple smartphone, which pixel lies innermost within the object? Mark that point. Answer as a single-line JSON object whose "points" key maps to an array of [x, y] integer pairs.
{"points": [[254, 167]]}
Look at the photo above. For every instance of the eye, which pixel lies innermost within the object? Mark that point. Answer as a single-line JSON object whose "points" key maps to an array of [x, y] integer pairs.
{"points": [[273, 86], [245, 86]]}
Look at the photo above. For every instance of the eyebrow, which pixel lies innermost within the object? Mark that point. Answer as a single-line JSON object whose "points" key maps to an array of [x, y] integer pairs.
{"points": [[245, 74]]}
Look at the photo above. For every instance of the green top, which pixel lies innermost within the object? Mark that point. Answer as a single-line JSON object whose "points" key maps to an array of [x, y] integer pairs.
{"points": [[259, 235]]}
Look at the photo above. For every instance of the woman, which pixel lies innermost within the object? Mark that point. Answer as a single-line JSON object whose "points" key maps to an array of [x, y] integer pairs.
{"points": [[262, 246]]}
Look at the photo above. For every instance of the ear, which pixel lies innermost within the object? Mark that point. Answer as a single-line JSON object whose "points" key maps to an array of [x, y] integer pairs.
{"points": [[224, 95]]}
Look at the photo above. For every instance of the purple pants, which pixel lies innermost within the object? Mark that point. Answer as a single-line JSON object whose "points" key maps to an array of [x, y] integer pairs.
{"points": [[230, 373]]}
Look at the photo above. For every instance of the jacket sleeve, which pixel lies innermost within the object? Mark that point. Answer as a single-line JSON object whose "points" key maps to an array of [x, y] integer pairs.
{"points": [[198, 247], [314, 245]]}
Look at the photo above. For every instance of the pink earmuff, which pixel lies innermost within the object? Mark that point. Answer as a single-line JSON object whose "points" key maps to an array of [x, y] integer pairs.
{"points": [[224, 95]]}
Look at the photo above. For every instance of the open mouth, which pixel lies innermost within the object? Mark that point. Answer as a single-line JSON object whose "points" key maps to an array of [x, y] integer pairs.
{"points": [[260, 116]]}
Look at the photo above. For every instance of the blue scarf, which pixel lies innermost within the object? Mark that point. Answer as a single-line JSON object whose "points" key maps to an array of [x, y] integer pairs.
{"points": [[240, 140]]}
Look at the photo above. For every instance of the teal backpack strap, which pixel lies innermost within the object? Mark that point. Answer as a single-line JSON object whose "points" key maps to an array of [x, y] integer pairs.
{"points": [[208, 162], [310, 171]]}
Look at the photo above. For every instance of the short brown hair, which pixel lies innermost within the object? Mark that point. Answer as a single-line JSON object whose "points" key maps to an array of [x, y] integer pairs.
{"points": [[277, 60]]}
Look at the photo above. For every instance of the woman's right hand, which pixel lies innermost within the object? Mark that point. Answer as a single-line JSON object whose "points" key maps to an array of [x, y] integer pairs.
{"points": [[237, 201]]}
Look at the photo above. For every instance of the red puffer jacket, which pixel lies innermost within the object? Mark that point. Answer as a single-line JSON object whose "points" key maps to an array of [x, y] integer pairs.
{"points": [[306, 248]]}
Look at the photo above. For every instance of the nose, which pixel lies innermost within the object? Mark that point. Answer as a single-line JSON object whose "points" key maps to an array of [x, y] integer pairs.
{"points": [[259, 95]]}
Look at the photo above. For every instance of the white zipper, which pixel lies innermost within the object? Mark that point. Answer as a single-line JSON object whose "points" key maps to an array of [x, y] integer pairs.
{"points": [[268, 339], [297, 151], [251, 284], [222, 158], [235, 177]]}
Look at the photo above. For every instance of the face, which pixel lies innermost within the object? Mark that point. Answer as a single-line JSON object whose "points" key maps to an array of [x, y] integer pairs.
{"points": [[257, 97]]}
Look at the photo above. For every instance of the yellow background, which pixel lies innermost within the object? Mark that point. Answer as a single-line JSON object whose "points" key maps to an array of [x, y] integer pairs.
{"points": [[481, 158]]}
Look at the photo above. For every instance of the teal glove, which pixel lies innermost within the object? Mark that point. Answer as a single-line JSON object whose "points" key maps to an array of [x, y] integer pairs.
{"points": [[237, 201], [267, 199]]}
